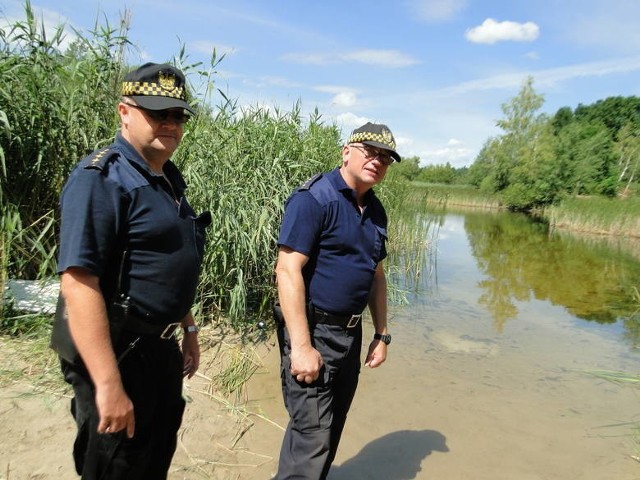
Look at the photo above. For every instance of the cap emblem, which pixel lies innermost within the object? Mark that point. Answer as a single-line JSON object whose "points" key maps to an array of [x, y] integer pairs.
{"points": [[167, 80], [387, 137]]}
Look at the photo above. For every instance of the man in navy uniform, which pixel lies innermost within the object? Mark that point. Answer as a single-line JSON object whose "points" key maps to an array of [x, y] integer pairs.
{"points": [[331, 247], [130, 253]]}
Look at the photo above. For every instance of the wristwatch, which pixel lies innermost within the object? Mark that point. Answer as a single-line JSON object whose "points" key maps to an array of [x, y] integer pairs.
{"points": [[385, 338], [191, 329]]}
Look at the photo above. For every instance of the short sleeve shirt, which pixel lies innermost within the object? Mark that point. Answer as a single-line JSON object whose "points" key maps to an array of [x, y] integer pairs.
{"points": [[344, 245], [114, 202]]}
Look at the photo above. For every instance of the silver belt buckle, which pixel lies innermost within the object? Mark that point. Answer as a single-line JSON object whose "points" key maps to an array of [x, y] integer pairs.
{"points": [[354, 320], [169, 330]]}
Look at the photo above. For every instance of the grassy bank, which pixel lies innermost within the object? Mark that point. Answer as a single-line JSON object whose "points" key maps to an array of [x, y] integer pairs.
{"points": [[619, 217], [441, 195], [597, 215]]}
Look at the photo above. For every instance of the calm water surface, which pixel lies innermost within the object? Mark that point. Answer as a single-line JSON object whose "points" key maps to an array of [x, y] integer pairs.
{"points": [[494, 270], [489, 369], [489, 372]]}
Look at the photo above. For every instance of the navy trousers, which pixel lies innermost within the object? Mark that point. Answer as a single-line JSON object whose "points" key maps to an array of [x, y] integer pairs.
{"points": [[152, 376], [318, 411]]}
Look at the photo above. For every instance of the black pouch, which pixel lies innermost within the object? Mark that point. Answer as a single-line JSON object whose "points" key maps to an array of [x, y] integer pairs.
{"points": [[61, 341]]}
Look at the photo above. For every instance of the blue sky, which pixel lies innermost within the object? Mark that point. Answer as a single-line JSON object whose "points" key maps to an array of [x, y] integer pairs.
{"points": [[435, 71]]}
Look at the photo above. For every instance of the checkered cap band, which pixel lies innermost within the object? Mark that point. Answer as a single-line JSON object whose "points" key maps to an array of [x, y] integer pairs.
{"points": [[151, 89], [385, 138]]}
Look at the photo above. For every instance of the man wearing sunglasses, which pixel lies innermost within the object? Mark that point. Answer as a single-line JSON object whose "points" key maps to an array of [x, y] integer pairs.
{"points": [[130, 253], [331, 247]]}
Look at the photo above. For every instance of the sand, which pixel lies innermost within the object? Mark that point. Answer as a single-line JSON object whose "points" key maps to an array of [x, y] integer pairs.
{"points": [[456, 416]]}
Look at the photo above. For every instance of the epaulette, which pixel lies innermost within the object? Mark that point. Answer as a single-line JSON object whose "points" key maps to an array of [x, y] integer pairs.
{"points": [[307, 185], [99, 158]]}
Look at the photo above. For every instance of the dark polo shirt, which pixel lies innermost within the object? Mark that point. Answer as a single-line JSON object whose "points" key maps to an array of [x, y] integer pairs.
{"points": [[344, 246], [114, 201]]}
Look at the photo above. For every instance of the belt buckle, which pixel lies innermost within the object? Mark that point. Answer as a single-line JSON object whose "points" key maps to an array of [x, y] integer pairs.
{"points": [[169, 330], [354, 320]]}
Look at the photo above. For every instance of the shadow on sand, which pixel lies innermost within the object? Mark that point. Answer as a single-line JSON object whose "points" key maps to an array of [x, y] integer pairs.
{"points": [[396, 456]]}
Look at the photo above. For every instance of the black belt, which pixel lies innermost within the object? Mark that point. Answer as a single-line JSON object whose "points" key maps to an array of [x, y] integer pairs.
{"points": [[135, 324], [347, 321]]}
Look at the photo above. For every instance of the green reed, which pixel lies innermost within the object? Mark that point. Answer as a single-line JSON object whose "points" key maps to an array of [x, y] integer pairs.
{"points": [[240, 163], [458, 195], [608, 216], [413, 233], [54, 108]]}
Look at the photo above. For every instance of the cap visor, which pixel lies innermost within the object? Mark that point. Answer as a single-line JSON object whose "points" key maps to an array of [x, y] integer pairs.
{"points": [[161, 103]]}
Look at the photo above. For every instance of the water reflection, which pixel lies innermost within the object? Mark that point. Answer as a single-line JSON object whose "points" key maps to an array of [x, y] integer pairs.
{"points": [[517, 259]]}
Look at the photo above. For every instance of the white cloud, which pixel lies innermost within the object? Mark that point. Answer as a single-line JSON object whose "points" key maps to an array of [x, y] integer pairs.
{"points": [[51, 21], [345, 99], [279, 82], [454, 153], [436, 10], [348, 121], [207, 47], [547, 77], [380, 58], [492, 31], [335, 89]]}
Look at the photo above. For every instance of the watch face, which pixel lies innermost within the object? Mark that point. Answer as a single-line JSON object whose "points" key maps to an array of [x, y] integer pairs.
{"points": [[384, 338]]}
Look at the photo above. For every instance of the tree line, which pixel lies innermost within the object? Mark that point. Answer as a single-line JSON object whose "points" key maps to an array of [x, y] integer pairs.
{"points": [[540, 159]]}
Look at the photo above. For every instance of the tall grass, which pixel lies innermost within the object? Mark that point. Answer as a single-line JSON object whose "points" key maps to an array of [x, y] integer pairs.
{"points": [[412, 236], [458, 195], [607, 216], [55, 107], [240, 163]]}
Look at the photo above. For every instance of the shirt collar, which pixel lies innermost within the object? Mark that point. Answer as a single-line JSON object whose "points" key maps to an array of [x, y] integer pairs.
{"points": [[336, 179], [169, 168]]}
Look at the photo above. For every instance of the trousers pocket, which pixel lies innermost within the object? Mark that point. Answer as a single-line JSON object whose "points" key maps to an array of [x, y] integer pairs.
{"points": [[302, 402]]}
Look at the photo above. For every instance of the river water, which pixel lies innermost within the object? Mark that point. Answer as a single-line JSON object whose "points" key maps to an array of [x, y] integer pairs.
{"points": [[491, 371]]}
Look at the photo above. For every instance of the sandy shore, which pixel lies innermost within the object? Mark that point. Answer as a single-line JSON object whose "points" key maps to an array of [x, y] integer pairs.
{"points": [[459, 415]]}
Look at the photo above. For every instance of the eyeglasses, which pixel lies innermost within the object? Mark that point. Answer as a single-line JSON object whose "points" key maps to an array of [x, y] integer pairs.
{"points": [[176, 116], [371, 154]]}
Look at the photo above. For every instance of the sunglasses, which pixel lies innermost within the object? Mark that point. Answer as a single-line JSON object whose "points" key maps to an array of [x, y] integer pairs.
{"points": [[370, 154], [175, 116]]}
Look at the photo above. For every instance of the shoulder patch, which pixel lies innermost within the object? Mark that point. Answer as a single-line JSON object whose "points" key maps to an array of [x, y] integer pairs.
{"points": [[99, 158], [307, 185]]}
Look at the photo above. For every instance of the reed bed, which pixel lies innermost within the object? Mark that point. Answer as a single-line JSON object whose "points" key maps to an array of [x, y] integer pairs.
{"points": [[605, 216], [240, 163], [458, 195]]}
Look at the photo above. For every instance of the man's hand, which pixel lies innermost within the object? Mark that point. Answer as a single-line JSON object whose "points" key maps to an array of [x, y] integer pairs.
{"points": [[306, 363], [377, 354], [191, 354], [115, 410]]}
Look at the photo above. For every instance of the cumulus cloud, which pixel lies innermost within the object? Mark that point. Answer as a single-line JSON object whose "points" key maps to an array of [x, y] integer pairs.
{"points": [[348, 121], [379, 58], [436, 10], [454, 152], [492, 31], [345, 99]]}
